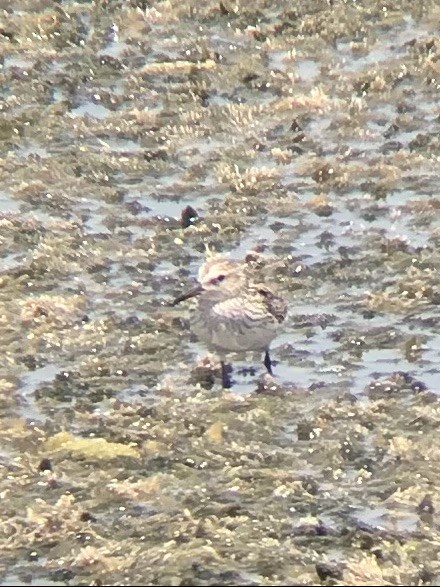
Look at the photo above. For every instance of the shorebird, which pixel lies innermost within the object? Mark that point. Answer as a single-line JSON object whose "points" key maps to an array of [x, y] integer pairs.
{"points": [[234, 314]]}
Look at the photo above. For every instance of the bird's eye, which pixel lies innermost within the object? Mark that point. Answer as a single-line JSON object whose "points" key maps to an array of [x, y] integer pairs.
{"points": [[217, 280]]}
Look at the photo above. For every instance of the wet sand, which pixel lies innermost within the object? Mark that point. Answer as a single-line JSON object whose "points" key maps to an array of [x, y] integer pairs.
{"points": [[305, 135]]}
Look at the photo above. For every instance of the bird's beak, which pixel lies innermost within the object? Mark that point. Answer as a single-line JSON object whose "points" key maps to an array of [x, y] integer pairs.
{"points": [[189, 294]]}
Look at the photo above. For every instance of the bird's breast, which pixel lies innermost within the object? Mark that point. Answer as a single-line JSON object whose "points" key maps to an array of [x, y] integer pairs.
{"points": [[234, 324]]}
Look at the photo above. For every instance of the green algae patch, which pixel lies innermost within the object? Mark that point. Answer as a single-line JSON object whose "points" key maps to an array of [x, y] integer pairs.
{"points": [[301, 137], [94, 448]]}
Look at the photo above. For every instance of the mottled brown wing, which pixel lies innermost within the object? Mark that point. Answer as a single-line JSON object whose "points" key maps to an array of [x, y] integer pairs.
{"points": [[275, 305]]}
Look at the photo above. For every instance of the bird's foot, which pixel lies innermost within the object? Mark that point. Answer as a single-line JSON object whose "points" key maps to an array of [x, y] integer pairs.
{"points": [[226, 375], [268, 363]]}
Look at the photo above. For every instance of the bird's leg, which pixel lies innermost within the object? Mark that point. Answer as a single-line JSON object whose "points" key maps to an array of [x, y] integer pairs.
{"points": [[226, 375], [268, 362]]}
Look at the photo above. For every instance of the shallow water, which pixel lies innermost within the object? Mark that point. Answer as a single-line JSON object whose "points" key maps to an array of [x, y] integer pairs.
{"points": [[309, 133]]}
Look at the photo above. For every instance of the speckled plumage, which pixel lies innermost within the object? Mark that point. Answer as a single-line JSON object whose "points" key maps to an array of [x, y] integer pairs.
{"points": [[233, 313]]}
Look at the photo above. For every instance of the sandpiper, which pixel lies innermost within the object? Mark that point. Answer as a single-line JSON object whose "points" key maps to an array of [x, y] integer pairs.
{"points": [[234, 314]]}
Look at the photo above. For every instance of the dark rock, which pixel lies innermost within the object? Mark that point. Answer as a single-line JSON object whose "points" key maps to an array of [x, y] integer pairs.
{"points": [[426, 506], [328, 571], [188, 217], [45, 465]]}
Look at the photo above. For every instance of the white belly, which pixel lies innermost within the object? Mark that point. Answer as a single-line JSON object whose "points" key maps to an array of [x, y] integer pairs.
{"points": [[233, 333]]}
